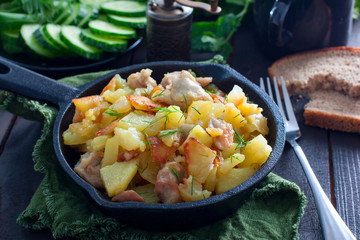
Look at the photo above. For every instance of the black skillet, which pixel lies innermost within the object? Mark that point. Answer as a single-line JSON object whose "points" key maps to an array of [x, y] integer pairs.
{"points": [[177, 216]]}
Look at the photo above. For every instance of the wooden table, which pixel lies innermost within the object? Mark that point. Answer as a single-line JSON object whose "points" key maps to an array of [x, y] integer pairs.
{"points": [[334, 156]]}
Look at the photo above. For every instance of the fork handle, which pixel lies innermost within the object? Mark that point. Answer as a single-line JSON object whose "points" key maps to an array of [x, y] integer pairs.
{"points": [[333, 227]]}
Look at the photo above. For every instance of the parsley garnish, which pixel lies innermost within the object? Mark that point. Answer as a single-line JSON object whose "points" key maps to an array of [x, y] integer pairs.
{"points": [[204, 155]]}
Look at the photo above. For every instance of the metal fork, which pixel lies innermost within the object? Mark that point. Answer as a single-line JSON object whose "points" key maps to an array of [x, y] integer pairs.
{"points": [[333, 227]]}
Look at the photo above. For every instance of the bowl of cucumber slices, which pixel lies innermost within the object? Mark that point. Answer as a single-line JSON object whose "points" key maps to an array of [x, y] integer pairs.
{"points": [[61, 38]]}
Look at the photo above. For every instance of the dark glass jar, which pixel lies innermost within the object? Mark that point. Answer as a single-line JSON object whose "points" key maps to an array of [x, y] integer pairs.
{"points": [[283, 27]]}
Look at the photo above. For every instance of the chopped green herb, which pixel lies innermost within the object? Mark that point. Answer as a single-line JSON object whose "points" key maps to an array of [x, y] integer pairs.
{"points": [[165, 133], [115, 113], [148, 95], [147, 140], [237, 158], [226, 98], [204, 155], [211, 91], [240, 140], [186, 103], [159, 94], [143, 169], [238, 115], [192, 128], [178, 175], [196, 110], [166, 116]]}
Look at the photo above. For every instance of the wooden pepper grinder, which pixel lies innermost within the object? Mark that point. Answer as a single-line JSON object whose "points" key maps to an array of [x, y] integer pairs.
{"points": [[168, 30]]}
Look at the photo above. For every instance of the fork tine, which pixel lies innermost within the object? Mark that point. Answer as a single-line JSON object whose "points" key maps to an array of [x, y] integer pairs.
{"points": [[269, 88], [278, 97], [262, 86], [287, 101]]}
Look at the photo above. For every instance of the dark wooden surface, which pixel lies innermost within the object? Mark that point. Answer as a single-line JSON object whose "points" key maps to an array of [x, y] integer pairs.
{"points": [[334, 156]]}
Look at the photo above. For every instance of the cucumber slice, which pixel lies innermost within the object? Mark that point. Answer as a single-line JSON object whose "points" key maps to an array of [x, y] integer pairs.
{"points": [[44, 42], [26, 34], [95, 3], [83, 11], [108, 29], [124, 8], [135, 22], [10, 42], [64, 14], [71, 37], [13, 21], [108, 44], [92, 13], [75, 11], [59, 7], [52, 33]]}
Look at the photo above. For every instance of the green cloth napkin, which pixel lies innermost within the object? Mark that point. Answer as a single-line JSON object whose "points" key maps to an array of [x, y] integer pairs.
{"points": [[273, 211]]}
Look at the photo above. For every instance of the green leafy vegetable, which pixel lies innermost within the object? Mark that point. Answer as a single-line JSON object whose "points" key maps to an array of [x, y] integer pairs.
{"points": [[356, 10], [41, 9], [215, 36]]}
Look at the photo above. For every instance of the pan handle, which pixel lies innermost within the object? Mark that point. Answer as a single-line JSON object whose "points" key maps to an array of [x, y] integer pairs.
{"points": [[33, 85]]}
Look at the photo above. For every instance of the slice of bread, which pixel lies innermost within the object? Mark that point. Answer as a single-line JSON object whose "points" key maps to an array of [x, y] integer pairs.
{"points": [[333, 110], [331, 77], [336, 68]]}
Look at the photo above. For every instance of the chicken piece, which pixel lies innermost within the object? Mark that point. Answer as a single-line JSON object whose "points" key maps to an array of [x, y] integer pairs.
{"points": [[180, 85], [225, 140], [142, 79], [128, 155], [127, 196], [88, 167], [167, 182], [204, 81]]}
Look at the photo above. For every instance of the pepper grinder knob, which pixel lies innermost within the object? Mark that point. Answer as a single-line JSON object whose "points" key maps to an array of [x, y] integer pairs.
{"points": [[168, 31]]}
